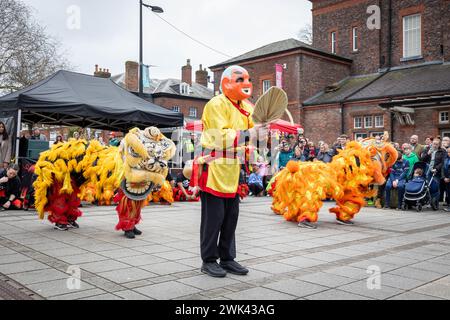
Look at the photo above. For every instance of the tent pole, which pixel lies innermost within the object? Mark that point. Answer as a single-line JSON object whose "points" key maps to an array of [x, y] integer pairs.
{"points": [[19, 126]]}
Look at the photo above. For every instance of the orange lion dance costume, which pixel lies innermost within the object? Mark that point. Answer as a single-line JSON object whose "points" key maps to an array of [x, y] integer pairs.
{"points": [[302, 186]]}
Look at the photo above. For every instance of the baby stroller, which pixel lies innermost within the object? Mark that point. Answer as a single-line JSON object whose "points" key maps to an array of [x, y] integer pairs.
{"points": [[421, 191]]}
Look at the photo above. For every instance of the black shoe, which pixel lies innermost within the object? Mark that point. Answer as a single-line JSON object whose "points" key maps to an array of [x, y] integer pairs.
{"points": [[73, 225], [234, 267], [61, 227], [213, 269], [2, 209], [345, 223], [137, 232], [130, 234], [307, 225]]}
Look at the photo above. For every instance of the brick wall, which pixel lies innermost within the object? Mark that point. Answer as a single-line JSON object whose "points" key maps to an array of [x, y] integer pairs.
{"points": [[264, 69], [426, 124], [373, 53], [341, 17], [322, 123], [184, 104], [316, 73]]}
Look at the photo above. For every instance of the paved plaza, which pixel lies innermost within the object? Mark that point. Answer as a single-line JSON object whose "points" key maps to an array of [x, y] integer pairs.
{"points": [[410, 250]]}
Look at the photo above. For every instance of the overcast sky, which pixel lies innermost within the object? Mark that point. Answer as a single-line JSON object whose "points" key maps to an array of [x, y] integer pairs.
{"points": [[109, 30]]}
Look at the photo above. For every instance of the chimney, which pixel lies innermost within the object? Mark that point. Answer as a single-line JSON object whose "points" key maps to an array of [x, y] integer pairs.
{"points": [[102, 73], [201, 77], [186, 73], [132, 76]]}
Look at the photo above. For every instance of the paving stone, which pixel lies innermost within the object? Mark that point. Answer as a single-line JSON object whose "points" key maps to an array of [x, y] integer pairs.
{"points": [[259, 294], [439, 288], [334, 294], [78, 295], [37, 276], [83, 258], [12, 258], [21, 267], [102, 266], [411, 295], [120, 253], [274, 267], [165, 268], [167, 290], [141, 260], [106, 296], [301, 262], [361, 288], [296, 288], [206, 282], [126, 275], [56, 287], [326, 279], [131, 295]]}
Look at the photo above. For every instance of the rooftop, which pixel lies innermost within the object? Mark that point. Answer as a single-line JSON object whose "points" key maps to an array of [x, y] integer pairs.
{"points": [[398, 82], [276, 47]]}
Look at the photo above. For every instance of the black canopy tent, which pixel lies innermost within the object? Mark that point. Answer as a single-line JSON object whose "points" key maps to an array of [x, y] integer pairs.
{"points": [[73, 99]]}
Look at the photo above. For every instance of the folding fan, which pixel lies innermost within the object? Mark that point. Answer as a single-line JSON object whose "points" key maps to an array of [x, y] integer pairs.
{"points": [[270, 106]]}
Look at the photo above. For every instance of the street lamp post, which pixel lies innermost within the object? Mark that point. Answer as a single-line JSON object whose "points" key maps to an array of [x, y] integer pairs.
{"points": [[141, 50]]}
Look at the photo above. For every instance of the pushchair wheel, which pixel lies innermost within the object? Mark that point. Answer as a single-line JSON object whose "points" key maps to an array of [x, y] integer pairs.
{"points": [[419, 208]]}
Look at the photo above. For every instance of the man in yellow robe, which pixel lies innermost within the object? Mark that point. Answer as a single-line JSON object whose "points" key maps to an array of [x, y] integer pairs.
{"points": [[226, 122]]}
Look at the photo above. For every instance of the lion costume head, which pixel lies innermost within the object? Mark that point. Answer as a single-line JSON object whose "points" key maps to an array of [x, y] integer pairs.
{"points": [[145, 155]]}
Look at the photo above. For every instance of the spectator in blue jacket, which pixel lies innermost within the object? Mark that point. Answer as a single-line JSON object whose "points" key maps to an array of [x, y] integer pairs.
{"points": [[397, 180], [255, 182], [446, 172]]}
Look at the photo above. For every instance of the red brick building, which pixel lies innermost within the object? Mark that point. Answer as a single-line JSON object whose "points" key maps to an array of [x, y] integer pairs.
{"points": [[374, 66], [299, 61], [400, 74], [185, 95]]}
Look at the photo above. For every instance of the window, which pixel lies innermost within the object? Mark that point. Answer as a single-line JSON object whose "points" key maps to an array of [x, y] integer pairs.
{"points": [[176, 109], [358, 122], [355, 38], [443, 117], [368, 122], [379, 121], [333, 42], [374, 134], [360, 135], [193, 112], [184, 88], [412, 40], [266, 85]]}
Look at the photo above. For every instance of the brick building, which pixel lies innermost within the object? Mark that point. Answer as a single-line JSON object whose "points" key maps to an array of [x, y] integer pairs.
{"points": [[299, 61], [180, 95], [374, 66], [400, 72]]}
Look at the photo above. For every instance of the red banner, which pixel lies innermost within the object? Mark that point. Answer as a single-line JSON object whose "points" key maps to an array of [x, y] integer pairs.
{"points": [[279, 75]]}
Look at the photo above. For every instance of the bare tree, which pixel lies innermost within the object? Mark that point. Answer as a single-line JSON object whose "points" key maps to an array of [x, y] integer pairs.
{"points": [[27, 53], [306, 34]]}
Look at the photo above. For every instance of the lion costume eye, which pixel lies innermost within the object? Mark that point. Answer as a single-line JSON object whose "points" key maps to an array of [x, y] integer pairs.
{"points": [[132, 152]]}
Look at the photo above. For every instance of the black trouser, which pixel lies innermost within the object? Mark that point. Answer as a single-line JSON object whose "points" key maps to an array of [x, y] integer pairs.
{"points": [[255, 188], [218, 225]]}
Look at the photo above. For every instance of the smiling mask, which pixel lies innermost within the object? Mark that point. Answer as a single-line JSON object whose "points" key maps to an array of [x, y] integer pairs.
{"points": [[236, 83]]}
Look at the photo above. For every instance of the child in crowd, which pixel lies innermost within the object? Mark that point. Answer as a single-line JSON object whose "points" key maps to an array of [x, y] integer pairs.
{"points": [[181, 191], [255, 182]]}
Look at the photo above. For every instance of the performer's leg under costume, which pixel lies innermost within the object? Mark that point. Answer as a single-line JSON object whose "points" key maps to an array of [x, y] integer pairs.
{"points": [[218, 226], [63, 207], [129, 212]]}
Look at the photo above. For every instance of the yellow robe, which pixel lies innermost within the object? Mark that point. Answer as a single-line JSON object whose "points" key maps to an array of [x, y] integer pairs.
{"points": [[221, 123]]}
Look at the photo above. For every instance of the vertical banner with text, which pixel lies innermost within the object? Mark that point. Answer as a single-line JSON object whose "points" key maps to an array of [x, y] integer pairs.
{"points": [[279, 75]]}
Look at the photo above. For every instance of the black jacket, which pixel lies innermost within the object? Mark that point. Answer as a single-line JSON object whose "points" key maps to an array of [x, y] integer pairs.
{"points": [[438, 160], [10, 187]]}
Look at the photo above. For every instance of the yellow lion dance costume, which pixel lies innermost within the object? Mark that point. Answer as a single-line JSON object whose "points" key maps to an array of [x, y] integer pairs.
{"points": [[80, 169], [301, 187]]}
